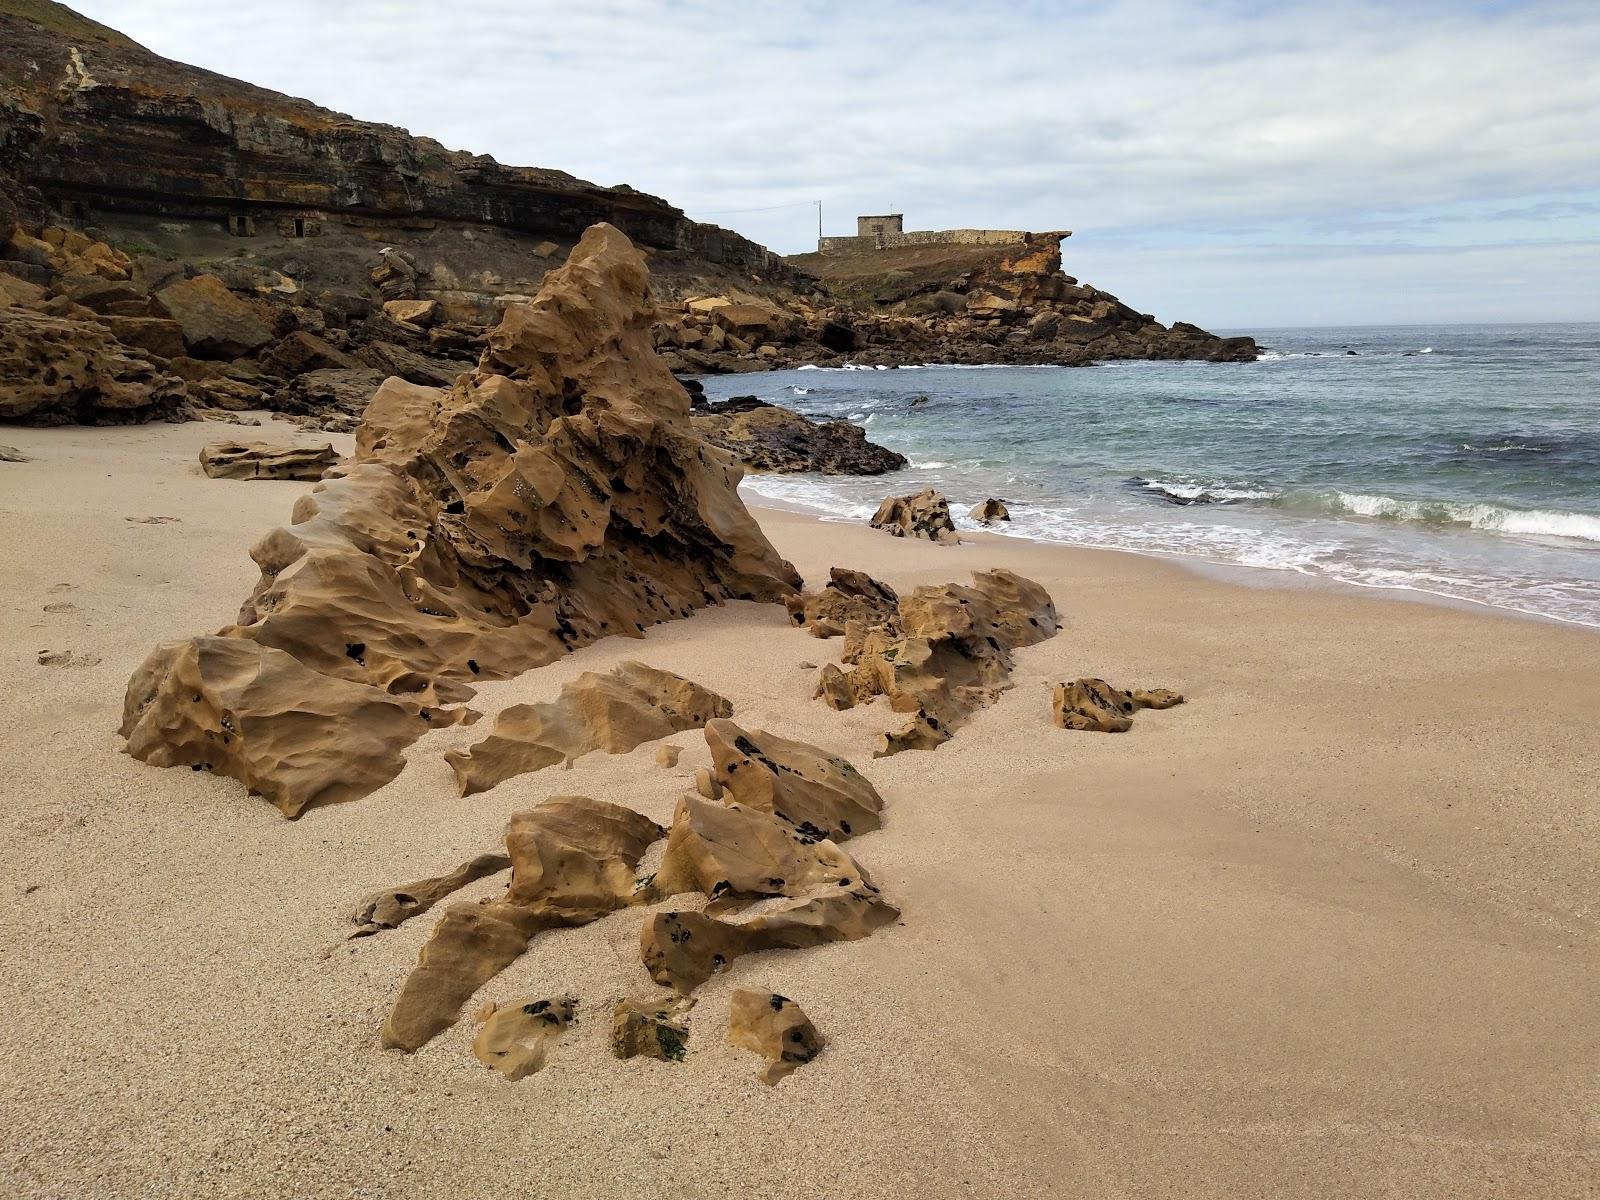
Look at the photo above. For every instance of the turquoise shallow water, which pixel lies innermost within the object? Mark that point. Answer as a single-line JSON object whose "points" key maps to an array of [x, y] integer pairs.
{"points": [[1462, 461]]}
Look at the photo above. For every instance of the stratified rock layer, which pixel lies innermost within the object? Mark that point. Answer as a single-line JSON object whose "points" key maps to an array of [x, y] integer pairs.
{"points": [[926, 514], [1094, 705], [614, 712], [261, 460], [946, 654], [775, 1027], [572, 861], [553, 496]]}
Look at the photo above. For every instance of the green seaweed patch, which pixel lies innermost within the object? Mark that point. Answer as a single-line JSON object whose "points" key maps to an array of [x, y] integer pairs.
{"points": [[673, 1042]]}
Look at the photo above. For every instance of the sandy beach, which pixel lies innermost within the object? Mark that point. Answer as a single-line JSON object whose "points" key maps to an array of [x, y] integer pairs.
{"points": [[1328, 929]]}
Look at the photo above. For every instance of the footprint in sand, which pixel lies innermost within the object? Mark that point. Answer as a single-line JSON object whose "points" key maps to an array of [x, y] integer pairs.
{"points": [[61, 606], [67, 658], [154, 520], [12, 454]]}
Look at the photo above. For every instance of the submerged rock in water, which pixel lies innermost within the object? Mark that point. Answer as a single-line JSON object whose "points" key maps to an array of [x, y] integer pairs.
{"points": [[946, 654], [990, 511], [1094, 705], [260, 460], [626, 707], [925, 514], [573, 860], [775, 1027], [553, 496], [767, 437]]}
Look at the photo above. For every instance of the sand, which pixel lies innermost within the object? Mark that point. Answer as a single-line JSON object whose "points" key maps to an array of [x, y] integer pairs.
{"points": [[1328, 929]]}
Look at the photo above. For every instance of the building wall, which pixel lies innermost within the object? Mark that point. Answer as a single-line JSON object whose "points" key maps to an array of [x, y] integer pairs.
{"points": [[884, 223], [925, 237]]}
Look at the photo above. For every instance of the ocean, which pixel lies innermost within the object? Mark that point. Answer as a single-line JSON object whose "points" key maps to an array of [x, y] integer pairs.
{"points": [[1460, 461]]}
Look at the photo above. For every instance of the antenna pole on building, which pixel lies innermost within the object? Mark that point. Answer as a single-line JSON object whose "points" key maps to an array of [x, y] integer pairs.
{"points": [[819, 222]]}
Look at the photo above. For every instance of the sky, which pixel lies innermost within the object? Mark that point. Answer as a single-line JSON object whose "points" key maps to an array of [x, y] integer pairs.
{"points": [[1241, 165]]}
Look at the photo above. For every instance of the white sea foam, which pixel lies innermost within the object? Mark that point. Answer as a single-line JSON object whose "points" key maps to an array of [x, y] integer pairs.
{"points": [[1491, 518]]}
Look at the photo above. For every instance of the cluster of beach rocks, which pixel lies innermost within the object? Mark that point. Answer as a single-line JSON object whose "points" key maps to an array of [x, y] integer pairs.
{"points": [[554, 495]]}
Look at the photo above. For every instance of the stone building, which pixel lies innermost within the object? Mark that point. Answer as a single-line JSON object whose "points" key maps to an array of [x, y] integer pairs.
{"points": [[887, 230]]}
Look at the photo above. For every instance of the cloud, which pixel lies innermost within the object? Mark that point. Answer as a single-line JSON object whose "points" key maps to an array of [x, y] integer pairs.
{"points": [[1194, 125]]}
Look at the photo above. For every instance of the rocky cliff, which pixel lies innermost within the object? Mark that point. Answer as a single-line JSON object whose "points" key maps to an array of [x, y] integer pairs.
{"points": [[173, 241]]}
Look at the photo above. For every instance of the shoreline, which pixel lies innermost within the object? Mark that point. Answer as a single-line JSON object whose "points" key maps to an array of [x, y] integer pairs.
{"points": [[1244, 575], [1327, 929]]}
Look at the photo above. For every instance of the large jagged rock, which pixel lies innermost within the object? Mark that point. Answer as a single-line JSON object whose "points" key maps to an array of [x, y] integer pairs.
{"points": [[392, 907], [556, 495], [262, 460], [61, 371], [776, 1028], [573, 860], [515, 1037], [766, 437], [1094, 705], [215, 322], [947, 655], [925, 514], [815, 893], [820, 794], [848, 596], [614, 712]]}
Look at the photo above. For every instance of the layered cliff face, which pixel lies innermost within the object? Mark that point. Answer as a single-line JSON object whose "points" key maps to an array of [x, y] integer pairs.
{"points": [[108, 131], [267, 253]]}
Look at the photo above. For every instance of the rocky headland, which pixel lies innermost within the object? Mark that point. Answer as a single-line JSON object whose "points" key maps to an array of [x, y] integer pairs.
{"points": [[175, 242]]}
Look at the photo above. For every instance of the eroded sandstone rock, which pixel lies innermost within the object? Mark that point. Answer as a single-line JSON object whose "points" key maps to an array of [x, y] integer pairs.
{"points": [[947, 655], [926, 514], [652, 1027], [848, 596], [554, 496], [1094, 705], [515, 1037], [810, 892], [614, 712], [255, 713], [57, 370], [392, 907], [776, 1028], [820, 794], [573, 860], [990, 511], [262, 460]]}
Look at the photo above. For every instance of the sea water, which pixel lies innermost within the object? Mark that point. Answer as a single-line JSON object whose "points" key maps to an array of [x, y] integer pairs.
{"points": [[1461, 461]]}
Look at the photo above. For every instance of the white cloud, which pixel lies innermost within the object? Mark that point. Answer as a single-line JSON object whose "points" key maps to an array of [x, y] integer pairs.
{"points": [[1196, 125]]}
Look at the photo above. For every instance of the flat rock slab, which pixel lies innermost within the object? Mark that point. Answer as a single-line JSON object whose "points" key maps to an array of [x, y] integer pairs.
{"points": [[262, 460]]}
